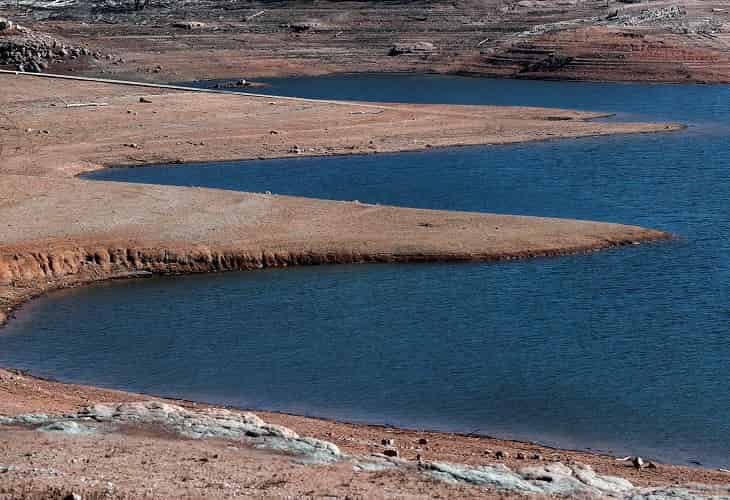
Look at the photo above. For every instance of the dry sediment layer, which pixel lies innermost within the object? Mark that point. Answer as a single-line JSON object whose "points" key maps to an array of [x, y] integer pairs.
{"points": [[658, 40]]}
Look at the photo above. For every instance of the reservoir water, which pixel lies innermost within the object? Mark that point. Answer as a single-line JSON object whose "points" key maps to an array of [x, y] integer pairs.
{"points": [[625, 351]]}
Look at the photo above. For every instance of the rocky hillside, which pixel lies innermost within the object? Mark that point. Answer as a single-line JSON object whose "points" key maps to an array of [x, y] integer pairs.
{"points": [[656, 40]]}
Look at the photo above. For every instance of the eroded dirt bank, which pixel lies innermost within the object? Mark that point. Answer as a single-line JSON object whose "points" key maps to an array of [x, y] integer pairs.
{"points": [[58, 231], [62, 232]]}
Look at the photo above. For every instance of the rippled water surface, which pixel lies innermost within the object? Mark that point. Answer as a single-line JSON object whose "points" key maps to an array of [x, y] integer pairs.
{"points": [[626, 351]]}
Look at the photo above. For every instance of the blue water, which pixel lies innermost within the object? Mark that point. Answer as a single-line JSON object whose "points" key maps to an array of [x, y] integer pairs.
{"points": [[624, 351]]}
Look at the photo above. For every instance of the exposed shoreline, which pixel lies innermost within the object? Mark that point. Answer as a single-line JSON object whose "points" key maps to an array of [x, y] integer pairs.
{"points": [[358, 440], [62, 232]]}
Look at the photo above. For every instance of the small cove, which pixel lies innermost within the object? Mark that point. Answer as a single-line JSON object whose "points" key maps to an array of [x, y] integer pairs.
{"points": [[623, 351]]}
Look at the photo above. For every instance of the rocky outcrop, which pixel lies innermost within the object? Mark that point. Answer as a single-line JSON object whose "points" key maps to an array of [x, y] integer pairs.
{"points": [[33, 52], [553, 479], [574, 480], [196, 424]]}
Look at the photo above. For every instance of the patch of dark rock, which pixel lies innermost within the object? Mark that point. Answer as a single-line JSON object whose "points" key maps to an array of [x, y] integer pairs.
{"points": [[553, 62], [301, 27], [33, 52], [416, 48]]}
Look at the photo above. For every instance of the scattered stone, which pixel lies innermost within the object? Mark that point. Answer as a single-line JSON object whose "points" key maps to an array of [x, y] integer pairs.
{"points": [[188, 25], [302, 27], [520, 456], [295, 149], [6, 24], [536, 456], [233, 84], [29, 50]]}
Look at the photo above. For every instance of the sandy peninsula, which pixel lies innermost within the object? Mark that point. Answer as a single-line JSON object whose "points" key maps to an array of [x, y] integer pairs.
{"points": [[59, 231]]}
